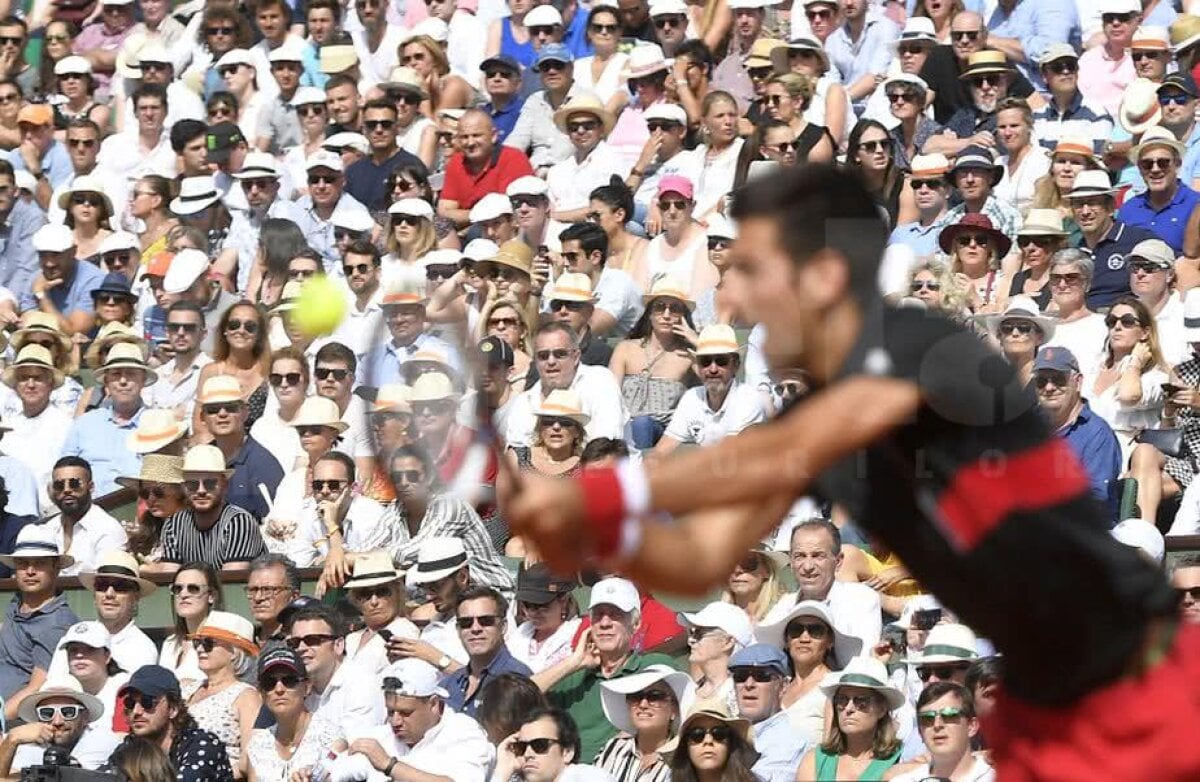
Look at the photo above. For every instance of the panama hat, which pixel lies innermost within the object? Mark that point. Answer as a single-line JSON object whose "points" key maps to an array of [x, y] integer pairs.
{"points": [[917, 29], [780, 55], [156, 468], [716, 340], [437, 558], [60, 686], [1042, 222], [515, 254], [1139, 107], [1157, 136], [319, 411], [712, 708], [573, 287], [33, 356], [932, 166], [122, 564], [946, 643], [220, 388], [1150, 38], [613, 692], [205, 458], [1184, 32], [584, 103], [1076, 145], [110, 334], [156, 428], [85, 184], [979, 157], [759, 55], [392, 398], [562, 403], [404, 289], [845, 647], [976, 221], [984, 62], [126, 355], [37, 322], [645, 59], [864, 672], [667, 287], [373, 568], [229, 628], [36, 541], [432, 387], [1025, 308], [1091, 183], [196, 193]]}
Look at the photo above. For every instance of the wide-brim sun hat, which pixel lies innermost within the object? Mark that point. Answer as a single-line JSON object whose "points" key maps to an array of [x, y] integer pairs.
{"points": [[714, 709], [38, 322], [110, 334], [613, 692], [584, 103], [946, 643], [36, 541], [319, 411], [979, 223], [233, 629], [868, 673], [845, 647], [1157, 136], [33, 356], [1139, 109], [127, 355], [1021, 307], [781, 55], [1042, 222], [372, 569], [60, 686], [156, 428], [85, 184], [1073, 145]]}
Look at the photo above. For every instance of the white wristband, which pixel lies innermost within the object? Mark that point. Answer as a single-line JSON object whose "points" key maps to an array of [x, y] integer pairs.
{"points": [[631, 539], [635, 489]]}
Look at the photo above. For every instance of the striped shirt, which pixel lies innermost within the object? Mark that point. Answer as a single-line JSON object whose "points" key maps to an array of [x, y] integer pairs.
{"points": [[234, 538], [620, 757], [447, 517]]}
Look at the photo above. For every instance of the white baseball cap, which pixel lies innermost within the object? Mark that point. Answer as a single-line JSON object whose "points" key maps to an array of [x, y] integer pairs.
{"points": [[615, 592], [480, 250], [356, 141], [72, 64], [323, 159], [723, 616], [308, 95], [527, 185], [490, 207], [235, 57], [186, 267], [413, 678], [119, 240], [53, 238], [674, 7], [357, 220], [91, 634], [543, 16]]}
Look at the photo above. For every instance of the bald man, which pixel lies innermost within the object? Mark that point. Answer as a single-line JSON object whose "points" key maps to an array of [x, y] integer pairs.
{"points": [[478, 166]]}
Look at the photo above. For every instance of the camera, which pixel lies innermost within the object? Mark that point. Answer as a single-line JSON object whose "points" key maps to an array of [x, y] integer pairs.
{"points": [[59, 773]]}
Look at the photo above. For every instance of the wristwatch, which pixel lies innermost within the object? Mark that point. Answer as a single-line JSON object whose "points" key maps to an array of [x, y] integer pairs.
{"points": [[443, 662]]}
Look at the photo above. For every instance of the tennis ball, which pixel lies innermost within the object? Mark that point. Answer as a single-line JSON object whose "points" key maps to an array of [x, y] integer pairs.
{"points": [[320, 307]]}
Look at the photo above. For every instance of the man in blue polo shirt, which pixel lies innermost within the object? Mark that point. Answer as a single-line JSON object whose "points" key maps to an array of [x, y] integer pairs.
{"points": [[481, 614], [1168, 203], [502, 82], [63, 288], [1093, 203], [1059, 382], [366, 180]]}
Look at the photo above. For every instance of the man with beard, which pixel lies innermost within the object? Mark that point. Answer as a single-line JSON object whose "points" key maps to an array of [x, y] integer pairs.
{"points": [[719, 407], [154, 708], [179, 378], [81, 529], [56, 716], [988, 76], [361, 269]]}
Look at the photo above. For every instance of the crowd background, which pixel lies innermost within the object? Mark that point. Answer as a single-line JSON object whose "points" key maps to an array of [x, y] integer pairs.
{"points": [[523, 207]]}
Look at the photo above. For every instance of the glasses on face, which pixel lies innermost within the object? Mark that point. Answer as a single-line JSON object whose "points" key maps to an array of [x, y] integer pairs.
{"points": [[188, 589], [583, 126], [721, 361], [1021, 327], [942, 672], [193, 485], [539, 746], [9, 97], [967, 240], [1063, 67], [542, 30], [559, 354], [221, 111], [324, 373], [9, 40], [301, 274], [1069, 279], [1173, 98], [289, 680], [949, 715], [311, 640], [773, 100], [646, 81], [871, 147], [157, 492], [310, 431], [363, 594], [549, 422], [504, 323], [817, 631], [67, 711], [661, 125], [205, 644], [1116, 18], [671, 20], [331, 484], [649, 696], [716, 243], [219, 30], [265, 591], [920, 285], [910, 48], [1047, 377], [186, 328], [110, 299], [570, 306], [1152, 163], [861, 702], [411, 477], [322, 179], [248, 326], [379, 124], [818, 13], [603, 29], [760, 675], [1040, 241], [1146, 267], [311, 110], [758, 74], [227, 71], [147, 702], [115, 584], [964, 35], [82, 143], [665, 306], [499, 73], [719, 733], [679, 204], [284, 378], [217, 408], [902, 97], [1139, 56], [485, 620], [86, 199], [1126, 321], [1185, 593], [984, 81]]}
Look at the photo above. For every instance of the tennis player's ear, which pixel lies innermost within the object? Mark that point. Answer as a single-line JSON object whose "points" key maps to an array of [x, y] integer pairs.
{"points": [[824, 277]]}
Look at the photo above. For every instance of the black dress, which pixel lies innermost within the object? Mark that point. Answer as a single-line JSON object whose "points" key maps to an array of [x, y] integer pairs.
{"points": [[1017, 289]]}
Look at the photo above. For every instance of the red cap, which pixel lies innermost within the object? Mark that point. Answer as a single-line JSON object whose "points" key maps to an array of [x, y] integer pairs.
{"points": [[676, 184]]}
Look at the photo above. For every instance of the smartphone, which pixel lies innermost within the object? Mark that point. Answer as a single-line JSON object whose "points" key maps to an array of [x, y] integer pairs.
{"points": [[386, 635], [1170, 389]]}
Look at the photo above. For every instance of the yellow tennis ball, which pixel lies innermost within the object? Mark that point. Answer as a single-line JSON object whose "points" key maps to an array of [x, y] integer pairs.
{"points": [[320, 307]]}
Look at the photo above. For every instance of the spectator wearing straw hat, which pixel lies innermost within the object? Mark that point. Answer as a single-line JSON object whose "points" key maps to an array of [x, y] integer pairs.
{"points": [[722, 405], [81, 528], [617, 300], [210, 529], [256, 473], [1168, 204], [99, 436], [117, 588], [404, 306], [592, 163], [927, 179], [573, 303], [36, 617], [57, 716], [37, 430]]}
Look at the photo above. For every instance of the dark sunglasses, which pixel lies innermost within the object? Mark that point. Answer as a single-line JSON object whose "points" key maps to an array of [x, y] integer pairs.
{"points": [[1116, 18], [216, 408], [721, 361], [571, 306], [672, 20], [191, 589], [527, 200], [379, 124], [902, 97], [964, 35], [986, 80], [910, 48], [661, 306], [311, 641], [281, 378], [192, 485], [932, 184], [332, 484], [943, 672], [1173, 98], [1063, 67], [882, 145], [656, 125], [324, 373], [382, 591], [60, 483], [310, 110], [1126, 321], [86, 199], [649, 696], [784, 147], [408, 476], [219, 30], [322, 179], [147, 702], [1192, 592], [541, 29], [551, 421], [604, 29], [310, 431], [289, 680], [111, 298], [539, 746], [718, 243], [1046, 377], [966, 240], [919, 285], [720, 734], [121, 585], [1022, 327], [1144, 55], [558, 353], [486, 620], [1040, 241], [816, 630], [948, 714], [205, 644], [248, 326], [861, 702], [409, 220], [186, 328], [1160, 163], [157, 493], [361, 268], [820, 13], [761, 675], [86, 143], [499, 73], [758, 74], [583, 126], [681, 204]]}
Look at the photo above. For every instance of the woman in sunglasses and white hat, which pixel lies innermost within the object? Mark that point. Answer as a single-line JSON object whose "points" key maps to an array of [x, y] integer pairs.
{"points": [[647, 708]]}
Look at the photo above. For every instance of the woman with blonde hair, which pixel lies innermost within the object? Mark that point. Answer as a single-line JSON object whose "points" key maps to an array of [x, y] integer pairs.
{"points": [[142, 760], [975, 248], [787, 98], [1024, 161], [223, 704], [861, 742], [931, 282], [409, 235], [1069, 156], [942, 12], [830, 105], [38, 328], [754, 585], [445, 90], [1040, 237], [504, 318]]}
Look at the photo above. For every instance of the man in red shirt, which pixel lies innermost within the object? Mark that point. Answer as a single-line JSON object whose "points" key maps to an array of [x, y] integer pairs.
{"points": [[480, 166]]}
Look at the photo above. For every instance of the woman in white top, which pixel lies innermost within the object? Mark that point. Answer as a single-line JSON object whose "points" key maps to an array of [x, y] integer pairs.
{"points": [[601, 72], [816, 648], [223, 704], [680, 252], [415, 132], [409, 234], [299, 738], [718, 155], [376, 589], [830, 105], [1078, 329], [195, 591], [311, 111], [289, 377], [1126, 388], [1024, 162], [550, 618]]}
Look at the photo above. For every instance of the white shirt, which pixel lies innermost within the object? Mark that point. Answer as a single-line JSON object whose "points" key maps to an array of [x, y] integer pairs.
{"points": [[1126, 419], [93, 536], [356, 440], [619, 296], [179, 396], [37, 442], [443, 636], [1084, 338], [99, 739], [359, 328], [131, 649], [456, 747], [540, 656], [979, 772], [372, 655], [349, 699], [182, 103], [715, 178], [571, 182], [278, 437], [1016, 188], [376, 66], [681, 164], [599, 395], [694, 421], [362, 530], [1171, 336], [463, 49], [855, 610], [122, 158]]}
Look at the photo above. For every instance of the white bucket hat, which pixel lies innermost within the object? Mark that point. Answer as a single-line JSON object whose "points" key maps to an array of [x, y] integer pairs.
{"points": [[845, 647], [1021, 307], [613, 692]]}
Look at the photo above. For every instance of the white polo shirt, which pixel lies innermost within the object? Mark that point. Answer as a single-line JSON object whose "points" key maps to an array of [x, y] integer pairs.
{"points": [[619, 296], [363, 529], [571, 182], [599, 395], [456, 748], [352, 699], [695, 422], [94, 535]]}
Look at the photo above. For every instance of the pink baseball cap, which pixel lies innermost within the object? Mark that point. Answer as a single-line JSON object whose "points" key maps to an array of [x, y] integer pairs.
{"points": [[676, 184]]}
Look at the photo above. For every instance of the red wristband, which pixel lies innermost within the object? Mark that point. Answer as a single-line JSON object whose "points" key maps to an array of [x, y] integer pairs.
{"points": [[604, 508]]}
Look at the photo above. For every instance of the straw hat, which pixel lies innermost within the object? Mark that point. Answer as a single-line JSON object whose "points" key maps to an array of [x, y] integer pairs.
{"points": [[645, 59], [1150, 38], [1139, 108], [205, 458], [1025, 308], [946, 643], [1185, 32], [584, 103], [33, 356], [716, 709], [38, 322], [613, 692], [85, 184], [122, 564], [220, 388], [516, 254], [760, 53], [933, 166], [404, 289], [156, 429], [373, 568], [781, 54], [59, 686], [984, 62], [1091, 183], [111, 333], [319, 411], [36, 541], [573, 287], [864, 672], [1077, 145], [563, 403], [845, 647], [716, 340], [1157, 136], [394, 398], [229, 628], [665, 286], [125, 355], [432, 387], [1042, 222], [156, 468]]}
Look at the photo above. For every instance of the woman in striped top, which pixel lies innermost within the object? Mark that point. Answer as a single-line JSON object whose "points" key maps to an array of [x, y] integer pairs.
{"points": [[646, 708]]}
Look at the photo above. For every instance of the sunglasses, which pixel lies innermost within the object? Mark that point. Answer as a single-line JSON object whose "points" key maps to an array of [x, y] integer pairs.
{"points": [[248, 326], [1146, 267], [499, 73], [660, 307], [363, 594], [110, 298], [987, 80], [558, 353], [324, 373], [1138, 56], [312, 640], [760, 675], [659, 125], [289, 680], [550, 422], [310, 431], [190, 589], [440, 272], [85, 143], [147, 702], [193, 485], [583, 126], [784, 147], [943, 672], [948, 714], [205, 645], [311, 110], [861, 702], [1152, 163], [1116, 18], [227, 71], [1022, 327], [1063, 67], [528, 200], [1070, 278], [410, 220], [821, 13], [649, 696], [539, 746], [1040, 241], [219, 30], [720, 734], [964, 35], [542, 29], [485, 620], [901, 97], [332, 484], [61, 483], [603, 29], [1173, 98], [570, 306], [408, 476], [278, 379], [910, 48], [119, 585], [186, 328], [721, 361], [875, 146], [932, 184], [1192, 592], [216, 408], [681, 204], [507, 323], [361, 268], [967, 240], [9, 40], [68, 711], [920, 285], [1126, 321], [758, 74], [1050, 376], [157, 492], [673, 20], [379, 124], [816, 630], [719, 243], [86, 199]]}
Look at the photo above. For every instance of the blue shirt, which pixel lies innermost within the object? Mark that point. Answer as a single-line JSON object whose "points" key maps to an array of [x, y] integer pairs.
{"points": [[779, 749], [74, 295], [1036, 24], [1081, 118], [27, 641], [1110, 281], [56, 164], [505, 119], [871, 54], [366, 180], [253, 465], [98, 438], [382, 364], [575, 36], [456, 683], [922, 239], [1167, 223], [1093, 441], [1189, 169], [18, 260]]}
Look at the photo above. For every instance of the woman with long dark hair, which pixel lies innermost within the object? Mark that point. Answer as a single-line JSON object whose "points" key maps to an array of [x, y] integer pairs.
{"points": [[279, 241], [870, 154], [160, 486], [195, 592], [240, 349], [713, 747], [611, 207]]}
